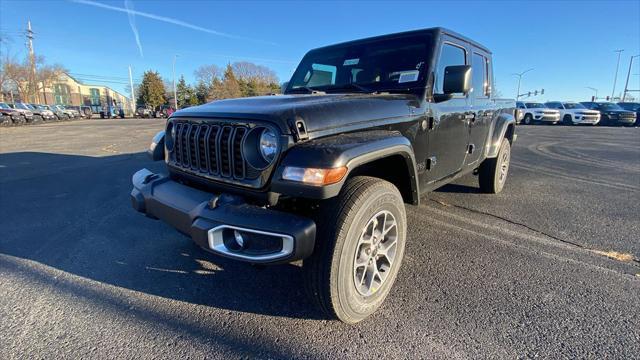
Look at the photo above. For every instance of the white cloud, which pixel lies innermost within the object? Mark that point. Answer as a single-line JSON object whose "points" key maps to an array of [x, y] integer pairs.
{"points": [[166, 20], [132, 22]]}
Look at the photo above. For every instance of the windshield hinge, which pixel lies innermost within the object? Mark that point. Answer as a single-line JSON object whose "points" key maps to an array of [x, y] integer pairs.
{"points": [[298, 129]]}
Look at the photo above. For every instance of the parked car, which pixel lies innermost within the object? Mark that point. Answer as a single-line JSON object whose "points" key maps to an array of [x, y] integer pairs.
{"points": [[323, 173], [10, 115], [144, 112], [73, 113], [612, 114], [574, 113], [28, 115], [59, 113], [46, 115], [632, 106], [80, 111], [38, 113], [536, 112]]}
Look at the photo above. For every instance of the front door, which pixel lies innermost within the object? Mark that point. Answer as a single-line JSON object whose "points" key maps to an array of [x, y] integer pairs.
{"points": [[449, 137]]}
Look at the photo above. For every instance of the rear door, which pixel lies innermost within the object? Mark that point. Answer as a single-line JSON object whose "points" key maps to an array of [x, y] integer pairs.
{"points": [[483, 106], [449, 137]]}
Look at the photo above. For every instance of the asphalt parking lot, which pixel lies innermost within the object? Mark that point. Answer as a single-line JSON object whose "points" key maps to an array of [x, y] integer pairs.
{"points": [[527, 273]]}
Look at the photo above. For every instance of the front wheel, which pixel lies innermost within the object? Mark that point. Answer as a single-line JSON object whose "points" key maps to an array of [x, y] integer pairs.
{"points": [[493, 172], [359, 249], [567, 120], [528, 119]]}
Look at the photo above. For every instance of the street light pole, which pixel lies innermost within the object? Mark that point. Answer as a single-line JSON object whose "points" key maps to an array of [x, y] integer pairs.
{"points": [[594, 89], [519, 75], [175, 93], [619, 51], [626, 84]]}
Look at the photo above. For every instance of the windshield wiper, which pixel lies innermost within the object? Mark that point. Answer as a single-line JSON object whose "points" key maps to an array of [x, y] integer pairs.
{"points": [[353, 86], [310, 90]]}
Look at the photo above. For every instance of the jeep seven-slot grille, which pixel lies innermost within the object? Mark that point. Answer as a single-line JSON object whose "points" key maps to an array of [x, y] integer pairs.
{"points": [[214, 150]]}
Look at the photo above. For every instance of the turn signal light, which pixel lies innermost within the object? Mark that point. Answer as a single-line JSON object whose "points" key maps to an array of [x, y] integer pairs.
{"points": [[313, 176]]}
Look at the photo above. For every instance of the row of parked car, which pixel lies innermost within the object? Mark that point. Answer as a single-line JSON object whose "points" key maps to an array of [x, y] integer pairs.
{"points": [[22, 113], [574, 113]]}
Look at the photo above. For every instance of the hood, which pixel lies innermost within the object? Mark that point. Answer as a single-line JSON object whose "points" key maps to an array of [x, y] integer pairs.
{"points": [[319, 112]]}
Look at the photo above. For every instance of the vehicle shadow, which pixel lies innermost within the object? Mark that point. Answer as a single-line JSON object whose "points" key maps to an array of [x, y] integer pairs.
{"points": [[459, 189], [73, 213]]}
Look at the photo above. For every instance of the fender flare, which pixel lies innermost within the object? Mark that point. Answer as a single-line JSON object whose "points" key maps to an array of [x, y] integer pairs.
{"points": [[351, 150], [156, 148], [497, 132]]}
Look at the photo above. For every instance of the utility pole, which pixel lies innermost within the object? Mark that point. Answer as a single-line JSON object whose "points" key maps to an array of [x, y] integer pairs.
{"points": [[519, 75], [32, 61], [133, 95], [619, 51], [626, 84], [175, 93]]}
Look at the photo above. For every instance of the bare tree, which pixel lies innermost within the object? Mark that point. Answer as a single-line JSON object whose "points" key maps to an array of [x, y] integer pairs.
{"points": [[208, 73], [247, 71]]}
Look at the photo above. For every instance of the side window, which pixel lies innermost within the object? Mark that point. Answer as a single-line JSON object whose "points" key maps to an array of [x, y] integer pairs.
{"points": [[321, 75], [450, 55], [479, 75]]}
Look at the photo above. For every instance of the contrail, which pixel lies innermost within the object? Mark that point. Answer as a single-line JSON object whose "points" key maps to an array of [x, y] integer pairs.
{"points": [[167, 20], [132, 22]]}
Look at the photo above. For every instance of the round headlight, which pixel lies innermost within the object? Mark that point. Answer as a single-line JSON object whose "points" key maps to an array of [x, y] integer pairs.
{"points": [[268, 145], [170, 136]]}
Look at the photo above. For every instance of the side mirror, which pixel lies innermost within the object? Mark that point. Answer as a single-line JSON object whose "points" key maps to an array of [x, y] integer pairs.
{"points": [[457, 80]]}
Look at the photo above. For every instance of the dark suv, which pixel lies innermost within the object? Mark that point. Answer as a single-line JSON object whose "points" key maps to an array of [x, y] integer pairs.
{"points": [[632, 106], [323, 172], [612, 114]]}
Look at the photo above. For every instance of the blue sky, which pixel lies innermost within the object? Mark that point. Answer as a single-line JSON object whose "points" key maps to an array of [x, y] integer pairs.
{"points": [[570, 44]]}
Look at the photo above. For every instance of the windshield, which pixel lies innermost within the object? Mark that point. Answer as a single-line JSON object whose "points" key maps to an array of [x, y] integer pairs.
{"points": [[609, 106], [630, 106], [573, 106], [22, 106], [535, 105], [377, 65], [4, 106]]}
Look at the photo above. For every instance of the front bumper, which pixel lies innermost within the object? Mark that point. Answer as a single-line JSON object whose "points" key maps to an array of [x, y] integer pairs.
{"points": [[547, 118], [586, 119], [205, 216]]}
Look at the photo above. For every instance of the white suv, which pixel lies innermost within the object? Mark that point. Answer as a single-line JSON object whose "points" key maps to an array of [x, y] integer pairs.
{"points": [[575, 113], [535, 112]]}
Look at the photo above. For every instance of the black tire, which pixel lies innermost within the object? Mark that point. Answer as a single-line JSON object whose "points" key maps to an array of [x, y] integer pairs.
{"points": [[6, 121], [528, 119], [493, 172], [330, 272], [36, 119], [566, 120]]}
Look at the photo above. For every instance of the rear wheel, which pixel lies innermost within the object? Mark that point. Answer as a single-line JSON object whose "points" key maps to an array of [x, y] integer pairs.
{"points": [[359, 249], [493, 172]]}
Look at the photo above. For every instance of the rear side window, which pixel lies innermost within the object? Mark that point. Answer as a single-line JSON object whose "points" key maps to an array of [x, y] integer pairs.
{"points": [[479, 74], [449, 56]]}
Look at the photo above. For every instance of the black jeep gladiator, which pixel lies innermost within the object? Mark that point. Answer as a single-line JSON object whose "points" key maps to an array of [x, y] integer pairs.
{"points": [[322, 172]]}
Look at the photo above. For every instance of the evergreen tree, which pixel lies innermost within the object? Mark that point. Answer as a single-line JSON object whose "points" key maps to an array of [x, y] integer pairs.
{"points": [[202, 92], [186, 94], [151, 90], [228, 88]]}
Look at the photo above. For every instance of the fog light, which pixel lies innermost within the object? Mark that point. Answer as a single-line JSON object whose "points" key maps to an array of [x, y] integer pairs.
{"points": [[238, 238]]}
